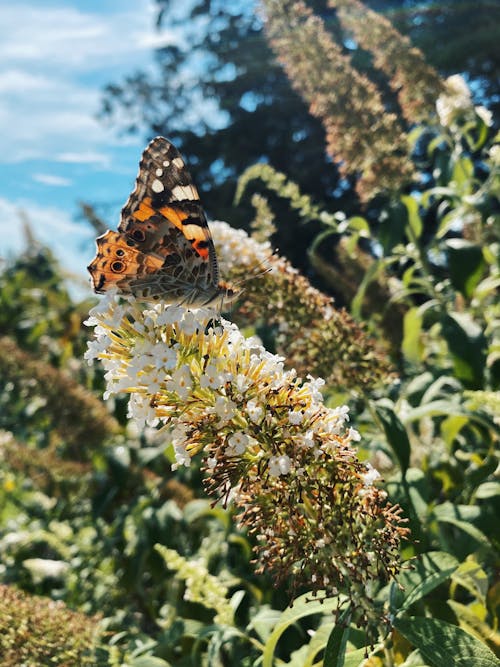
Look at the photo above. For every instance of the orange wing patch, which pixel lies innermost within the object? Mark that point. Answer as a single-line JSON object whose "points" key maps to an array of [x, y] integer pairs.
{"points": [[118, 259], [163, 249], [145, 210]]}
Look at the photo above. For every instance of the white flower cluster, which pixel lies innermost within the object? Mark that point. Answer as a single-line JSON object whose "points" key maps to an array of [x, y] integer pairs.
{"points": [[231, 243], [180, 367], [457, 100]]}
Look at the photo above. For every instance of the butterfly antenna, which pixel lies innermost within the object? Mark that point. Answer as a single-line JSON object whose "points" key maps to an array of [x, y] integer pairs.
{"points": [[257, 272]]}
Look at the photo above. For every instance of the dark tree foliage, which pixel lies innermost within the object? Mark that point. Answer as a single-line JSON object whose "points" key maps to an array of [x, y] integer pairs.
{"points": [[456, 36], [224, 62], [222, 98]]}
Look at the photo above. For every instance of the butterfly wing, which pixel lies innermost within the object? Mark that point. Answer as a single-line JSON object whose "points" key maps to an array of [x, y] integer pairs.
{"points": [[163, 247]]}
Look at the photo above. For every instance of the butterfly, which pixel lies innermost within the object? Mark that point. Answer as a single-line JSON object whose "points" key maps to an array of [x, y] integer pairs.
{"points": [[163, 249]]}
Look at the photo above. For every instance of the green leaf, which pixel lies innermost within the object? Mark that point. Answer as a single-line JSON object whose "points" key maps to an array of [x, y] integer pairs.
{"points": [[147, 661], [337, 641], [434, 144], [317, 644], [264, 621], [302, 607], [414, 219], [471, 619], [428, 571], [359, 224], [445, 645], [370, 274], [471, 576], [466, 264], [488, 490], [463, 172], [357, 658], [392, 229], [461, 516], [395, 433], [412, 328], [467, 346], [448, 220]]}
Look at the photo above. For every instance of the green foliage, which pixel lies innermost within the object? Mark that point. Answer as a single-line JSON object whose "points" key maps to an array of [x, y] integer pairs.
{"points": [[36, 631], [92, 515]]}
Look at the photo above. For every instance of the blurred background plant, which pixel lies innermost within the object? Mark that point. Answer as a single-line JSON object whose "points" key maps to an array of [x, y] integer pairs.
{"points": [[406, 239]]}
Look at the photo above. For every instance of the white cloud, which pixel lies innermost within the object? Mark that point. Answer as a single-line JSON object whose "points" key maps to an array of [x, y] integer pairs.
{"points": [[55, 59], [84, 157], [72, 242], [51, 179], [69, 39]]}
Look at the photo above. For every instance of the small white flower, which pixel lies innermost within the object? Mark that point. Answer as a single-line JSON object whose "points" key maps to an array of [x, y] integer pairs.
{"points": [[485, 115], [182, 458], [212, 378], [170, 315], [95, 348], [152, 380], [165, 357], [241, 383], [494, 153], [190, 323], [354, 435], [181, 382], [370, 476], [454, 101], [237, 444], [211, 462], [225, 408], [305, 439], [140, 410], [255, 411], [279, 465], [295, 418], [314, 385]]}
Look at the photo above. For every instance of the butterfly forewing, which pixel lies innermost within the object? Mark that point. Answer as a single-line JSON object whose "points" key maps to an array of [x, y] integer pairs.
{"points": [[163, 247]]}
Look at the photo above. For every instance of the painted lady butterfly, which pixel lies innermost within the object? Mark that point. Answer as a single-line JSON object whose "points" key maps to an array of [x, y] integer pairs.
{"points": [[163, 249]]}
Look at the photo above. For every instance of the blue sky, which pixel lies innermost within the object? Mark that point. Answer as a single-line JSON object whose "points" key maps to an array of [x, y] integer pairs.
{"points": [[55, 57]]}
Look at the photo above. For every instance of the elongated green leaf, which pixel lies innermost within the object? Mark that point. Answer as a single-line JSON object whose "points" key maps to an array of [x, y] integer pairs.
{"points": [[445, 645], [414, 219], [359, 224], [148, 661], [317, 644], [471, 576], [412, 329], [395, 433], [488, 490], [302, 607], [337, 641], [429, 571], [357, 302], [463, 172], [472, 620], [460, 516], [264, 621], [466, 264], [443, 407], [467, 346], [357, 658]]}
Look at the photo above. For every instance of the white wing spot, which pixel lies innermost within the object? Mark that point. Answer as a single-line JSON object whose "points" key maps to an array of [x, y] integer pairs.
{"points": [[177, 161], [166, 163], [159, 172], [181, 192], [157, 186]]}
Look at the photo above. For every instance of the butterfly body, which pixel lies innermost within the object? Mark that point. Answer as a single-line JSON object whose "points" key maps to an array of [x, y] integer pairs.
{"points": [[163, 249]]}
